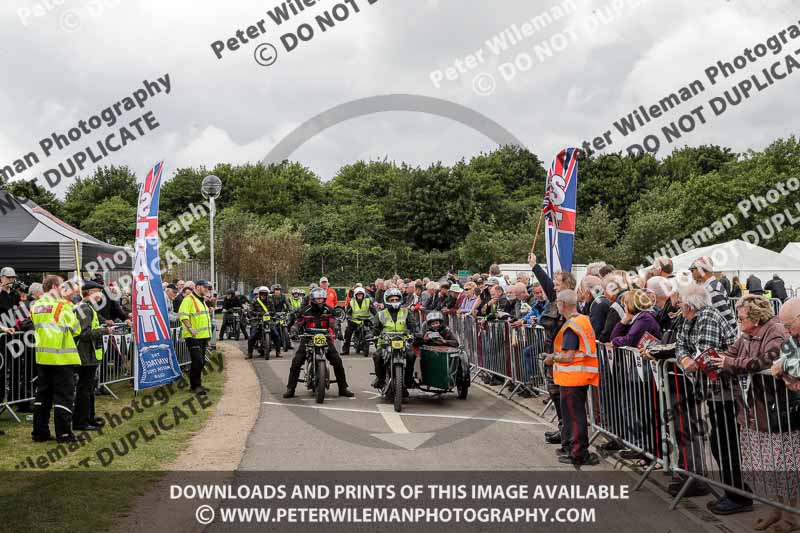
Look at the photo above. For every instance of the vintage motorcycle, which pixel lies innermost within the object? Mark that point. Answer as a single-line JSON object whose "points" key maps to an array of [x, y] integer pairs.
{"points": [[393, 348], [263, 342], [281, 322], [316, 374], [233, 323], [361, 335]]}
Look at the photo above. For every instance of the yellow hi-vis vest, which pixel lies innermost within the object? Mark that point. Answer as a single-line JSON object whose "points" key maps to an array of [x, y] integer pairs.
{"points": [[98, 352], [194, 309], [55, 327], [393, 326], [295, 303], [360, 312], [582, 370]]}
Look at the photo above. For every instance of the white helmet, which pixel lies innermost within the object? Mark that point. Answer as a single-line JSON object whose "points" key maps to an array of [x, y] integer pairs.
{"points": [[358, 291], [263, 289], [391, 293]]}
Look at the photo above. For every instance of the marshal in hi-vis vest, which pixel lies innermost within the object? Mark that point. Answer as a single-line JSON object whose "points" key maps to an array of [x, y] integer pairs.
{"points": [[55, 327], [194, 309], [360, 312], [582, 370], [393, 326]]}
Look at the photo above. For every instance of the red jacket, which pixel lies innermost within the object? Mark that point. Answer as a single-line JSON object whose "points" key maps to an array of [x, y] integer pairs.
{"points": [[331, 299]]}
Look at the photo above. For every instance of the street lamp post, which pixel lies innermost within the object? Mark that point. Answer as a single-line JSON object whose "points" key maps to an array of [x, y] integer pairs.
{"points": [[211, 188]]}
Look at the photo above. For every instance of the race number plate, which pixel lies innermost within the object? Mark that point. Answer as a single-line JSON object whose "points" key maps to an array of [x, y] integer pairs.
{"points": [[320, 340], [398, 344]]}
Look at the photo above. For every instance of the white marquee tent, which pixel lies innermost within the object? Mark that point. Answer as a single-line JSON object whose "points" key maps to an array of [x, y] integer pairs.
{"points": [[792, 251], [740, 258]]}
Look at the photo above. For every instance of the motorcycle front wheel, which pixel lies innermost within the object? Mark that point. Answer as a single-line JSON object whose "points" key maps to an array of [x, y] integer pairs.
{"points": [[398, 379], [320, 379]]}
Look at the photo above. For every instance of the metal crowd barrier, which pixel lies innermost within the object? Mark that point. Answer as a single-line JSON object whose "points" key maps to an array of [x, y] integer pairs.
{"points": [[631, 407], [18, 364], [739, 434], [497, 350]]}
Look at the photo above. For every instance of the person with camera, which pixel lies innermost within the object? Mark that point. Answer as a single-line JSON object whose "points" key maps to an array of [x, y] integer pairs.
{"points": [[9, 290]]}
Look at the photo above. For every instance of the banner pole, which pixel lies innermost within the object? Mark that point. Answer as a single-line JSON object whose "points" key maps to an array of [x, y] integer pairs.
{"points": [[538, 226]]}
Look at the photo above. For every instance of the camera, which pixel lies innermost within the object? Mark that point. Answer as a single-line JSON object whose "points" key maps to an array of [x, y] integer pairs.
{"points": [[18, 286]]}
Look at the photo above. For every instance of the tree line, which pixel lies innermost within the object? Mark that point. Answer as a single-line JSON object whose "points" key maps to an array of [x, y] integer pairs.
{"points": [[378, 217]]}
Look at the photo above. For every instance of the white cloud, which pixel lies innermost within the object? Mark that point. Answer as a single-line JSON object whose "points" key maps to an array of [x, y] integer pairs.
{"points": [[235, 110]]}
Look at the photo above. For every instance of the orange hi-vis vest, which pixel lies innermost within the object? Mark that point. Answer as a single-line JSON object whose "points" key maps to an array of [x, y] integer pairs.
{"points": [[582, 370]]}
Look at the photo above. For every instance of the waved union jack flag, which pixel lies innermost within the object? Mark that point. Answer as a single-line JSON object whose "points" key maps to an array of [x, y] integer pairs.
{"points": [[560, 199]]}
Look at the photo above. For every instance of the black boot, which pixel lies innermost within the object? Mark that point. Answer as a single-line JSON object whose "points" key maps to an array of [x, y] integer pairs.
{"points": [[347, 393], [289, 393]]}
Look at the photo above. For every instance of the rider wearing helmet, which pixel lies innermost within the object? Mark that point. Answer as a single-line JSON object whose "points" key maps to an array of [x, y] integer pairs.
{"points": [[307, 299], [277, 304], [259, 310], [228, 304], [436, 333], [393, 318], [296, 300], [359, 309], [316, 315]]}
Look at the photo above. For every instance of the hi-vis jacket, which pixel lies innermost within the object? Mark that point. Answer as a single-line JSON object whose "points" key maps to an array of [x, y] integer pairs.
{"points": [[55, 327], [582, 370], [195, 310]]}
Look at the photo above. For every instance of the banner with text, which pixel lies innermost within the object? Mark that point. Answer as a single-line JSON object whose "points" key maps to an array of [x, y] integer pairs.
{"points": [[156, 361]]}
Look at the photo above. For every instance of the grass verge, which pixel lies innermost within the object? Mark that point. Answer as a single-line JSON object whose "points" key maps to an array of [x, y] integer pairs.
{"points": [[89, 485]]}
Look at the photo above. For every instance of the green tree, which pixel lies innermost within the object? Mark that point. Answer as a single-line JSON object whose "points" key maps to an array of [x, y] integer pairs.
{"points": [[107, 182], [112, 221], [33, 191], [596, 236]]}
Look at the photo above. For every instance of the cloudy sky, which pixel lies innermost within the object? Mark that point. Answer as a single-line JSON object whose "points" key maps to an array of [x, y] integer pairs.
{"points": [[64, 63]]}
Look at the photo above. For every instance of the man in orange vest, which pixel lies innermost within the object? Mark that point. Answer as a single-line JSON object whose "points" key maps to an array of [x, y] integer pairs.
{"points": [[574, 369]]}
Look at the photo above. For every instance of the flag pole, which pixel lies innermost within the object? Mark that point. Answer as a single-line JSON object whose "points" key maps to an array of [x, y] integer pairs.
{"points": [[538, 226]]}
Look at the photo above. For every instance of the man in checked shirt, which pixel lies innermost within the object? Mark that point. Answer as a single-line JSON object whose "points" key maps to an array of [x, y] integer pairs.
{"points": [[705, 327]]}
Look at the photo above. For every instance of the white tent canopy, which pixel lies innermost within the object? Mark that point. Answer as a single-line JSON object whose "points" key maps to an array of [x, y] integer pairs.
{"points": [[740, 258], [791, 251]]}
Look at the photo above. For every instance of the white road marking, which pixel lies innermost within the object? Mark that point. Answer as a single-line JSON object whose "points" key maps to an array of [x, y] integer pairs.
{"points": [[421, 415], [392, 419]]}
